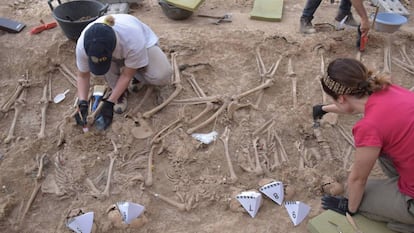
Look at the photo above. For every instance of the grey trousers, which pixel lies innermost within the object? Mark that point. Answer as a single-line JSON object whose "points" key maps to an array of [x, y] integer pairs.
{"points": [[158, 72], [382, 200]]}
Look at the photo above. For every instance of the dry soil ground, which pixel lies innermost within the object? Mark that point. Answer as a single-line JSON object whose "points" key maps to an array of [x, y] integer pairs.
{"points": [[222, 59]]}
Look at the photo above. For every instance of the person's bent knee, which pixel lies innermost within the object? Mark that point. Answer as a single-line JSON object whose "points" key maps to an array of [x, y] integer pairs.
{"points": [[161, 78]]}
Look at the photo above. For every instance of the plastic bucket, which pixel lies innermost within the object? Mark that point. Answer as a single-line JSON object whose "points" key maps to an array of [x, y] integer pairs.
{"points": [[389, 22], [174, 12], [74, 16]]}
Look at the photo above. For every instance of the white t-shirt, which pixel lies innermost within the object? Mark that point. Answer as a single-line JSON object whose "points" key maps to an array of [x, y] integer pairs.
{"points": [[132, 40]]}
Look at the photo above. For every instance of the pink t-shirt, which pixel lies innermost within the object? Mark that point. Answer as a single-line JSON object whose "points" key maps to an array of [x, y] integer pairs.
{"points": [[388, 123]]}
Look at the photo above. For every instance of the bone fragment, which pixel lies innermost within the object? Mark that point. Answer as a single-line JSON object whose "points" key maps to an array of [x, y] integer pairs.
{"points": [[282, 148], [176, 83], [50, 99], [405, 55], [19, 104], [262, 129], [225, 139], [387, 55], [44, 102], [138, 107], [346, 135]]}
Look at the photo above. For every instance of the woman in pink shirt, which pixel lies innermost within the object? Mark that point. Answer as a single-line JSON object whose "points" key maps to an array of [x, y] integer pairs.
{"points": [[385, 134]]}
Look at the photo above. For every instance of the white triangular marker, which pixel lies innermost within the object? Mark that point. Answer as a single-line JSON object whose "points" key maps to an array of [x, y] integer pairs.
{"points": [[129, 211], [297, 211], [274, 191], [250, 201], [82, 223]]}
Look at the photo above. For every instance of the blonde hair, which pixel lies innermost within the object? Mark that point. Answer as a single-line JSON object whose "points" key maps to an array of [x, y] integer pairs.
{"points": [[109, 20]]}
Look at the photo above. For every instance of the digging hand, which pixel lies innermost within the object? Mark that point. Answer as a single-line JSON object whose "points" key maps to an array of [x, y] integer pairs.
{"points": [[318, 112], [82, 114], [104, 119], [338, 204]]}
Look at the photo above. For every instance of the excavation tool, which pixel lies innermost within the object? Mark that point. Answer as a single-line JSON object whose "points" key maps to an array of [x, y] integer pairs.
{"points": [[226, 18], [353, 224], [43, 27], [60, 97]]}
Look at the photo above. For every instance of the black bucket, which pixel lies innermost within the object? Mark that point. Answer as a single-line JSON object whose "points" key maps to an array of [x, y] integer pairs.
{"points": [[74, 16]]}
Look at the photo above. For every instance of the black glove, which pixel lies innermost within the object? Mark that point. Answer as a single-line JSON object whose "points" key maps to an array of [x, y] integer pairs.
{"points": [[338, 204], [82, 114], [317, 112], [104, 118]]}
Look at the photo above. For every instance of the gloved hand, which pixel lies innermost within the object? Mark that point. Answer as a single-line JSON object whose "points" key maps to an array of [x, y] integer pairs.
{"points": [[82, 114], [104, 118], [338, 204], [317, 112]]}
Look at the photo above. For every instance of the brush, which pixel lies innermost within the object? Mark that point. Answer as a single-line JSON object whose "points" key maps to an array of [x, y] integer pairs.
{"points": [[98, 92]]}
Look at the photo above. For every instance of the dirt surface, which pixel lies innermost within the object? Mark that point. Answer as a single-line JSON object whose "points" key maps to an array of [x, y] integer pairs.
{"points": [[222, 59]]}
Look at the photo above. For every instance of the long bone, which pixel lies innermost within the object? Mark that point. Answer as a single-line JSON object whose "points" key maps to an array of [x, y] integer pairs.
{"points": [[44, 102], [292, 76], [178, 205], [36, 189], [258, 170], [405, 55], [200, 93], [18, 107], [264, 74], [225, 139], [266, 84], [387, 55], [112, 156], [21, 85], [178, 87], [148, 181], [166, 131], [403, 65], [135, 111], [210, 119], [68, 75], [95, 192]]}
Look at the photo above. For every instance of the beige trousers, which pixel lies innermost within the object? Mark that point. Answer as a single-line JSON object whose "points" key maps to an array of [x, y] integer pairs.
{"points": [[158, 71], [382, 200]]}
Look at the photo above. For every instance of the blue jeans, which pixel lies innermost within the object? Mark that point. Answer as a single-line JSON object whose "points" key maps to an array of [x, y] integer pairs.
{"points": [[312, 5]]}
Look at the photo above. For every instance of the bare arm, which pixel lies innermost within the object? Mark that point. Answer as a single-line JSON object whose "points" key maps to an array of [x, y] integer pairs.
{"points": [[362, 12], [365, 158], [122, 84], [83, 85]]}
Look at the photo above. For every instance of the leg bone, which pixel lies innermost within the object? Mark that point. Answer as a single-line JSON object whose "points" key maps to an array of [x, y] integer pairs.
{"points": [[225, 139]]}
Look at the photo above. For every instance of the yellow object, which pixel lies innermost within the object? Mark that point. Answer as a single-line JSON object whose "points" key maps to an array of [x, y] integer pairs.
{"points": [[190, 5], [268, 10], [320, 224]]}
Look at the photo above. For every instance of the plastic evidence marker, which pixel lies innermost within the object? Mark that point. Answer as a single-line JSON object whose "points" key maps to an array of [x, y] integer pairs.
{"points": [[274, 191], [82, 223], [129, 211], [297, 211], [250, 201]]}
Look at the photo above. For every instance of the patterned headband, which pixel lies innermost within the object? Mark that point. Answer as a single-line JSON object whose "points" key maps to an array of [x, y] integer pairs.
{"points": [[336, 87]]}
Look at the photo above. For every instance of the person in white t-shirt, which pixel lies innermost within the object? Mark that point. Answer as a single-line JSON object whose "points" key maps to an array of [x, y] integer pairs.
{"points": [[123, 50]]}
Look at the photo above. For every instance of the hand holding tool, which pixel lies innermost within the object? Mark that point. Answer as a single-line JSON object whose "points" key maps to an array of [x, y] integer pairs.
{"points": [[98, 92], [82, 114], [338, 204], [362, 40], [104, 119], [43, 27]]}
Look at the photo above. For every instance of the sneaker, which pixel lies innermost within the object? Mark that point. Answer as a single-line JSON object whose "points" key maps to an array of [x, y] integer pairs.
{"points": [[121, 105], [350, 21], [135, 86], [306, 26]]}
